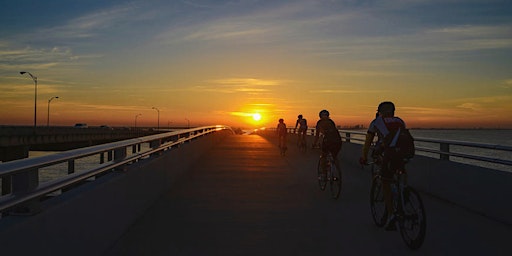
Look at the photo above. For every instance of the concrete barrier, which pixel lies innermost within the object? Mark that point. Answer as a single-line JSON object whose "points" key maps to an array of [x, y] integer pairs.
{"points": [[74, 223]]}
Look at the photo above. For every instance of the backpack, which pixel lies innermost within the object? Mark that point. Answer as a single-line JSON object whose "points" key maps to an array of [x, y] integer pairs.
{"points": [[404, 145]]}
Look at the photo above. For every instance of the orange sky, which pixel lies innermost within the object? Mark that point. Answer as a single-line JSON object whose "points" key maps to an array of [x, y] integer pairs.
{"points": [[219, 63]]}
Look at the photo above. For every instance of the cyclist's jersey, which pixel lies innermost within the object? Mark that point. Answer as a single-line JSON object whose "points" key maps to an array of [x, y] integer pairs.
{"points": [[281, 129], [302, 123], [328, 128], [385, 125]]}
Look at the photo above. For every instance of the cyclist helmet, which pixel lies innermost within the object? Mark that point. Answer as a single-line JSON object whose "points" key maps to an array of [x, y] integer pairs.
{"points": [[323, 113], [299, 116], [386, 107], [281, 120]]}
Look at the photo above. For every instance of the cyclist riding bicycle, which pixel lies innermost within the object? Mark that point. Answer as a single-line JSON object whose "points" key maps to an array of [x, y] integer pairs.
{"points": [[386, 123], [303, 128], [331, 140], [281, 134]]}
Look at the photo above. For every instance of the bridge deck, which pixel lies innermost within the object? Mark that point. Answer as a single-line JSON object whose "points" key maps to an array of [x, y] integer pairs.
{"points": [[243, 198]]}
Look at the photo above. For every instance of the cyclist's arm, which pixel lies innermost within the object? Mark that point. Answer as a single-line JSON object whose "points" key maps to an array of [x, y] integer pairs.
{"points": [[317, 134], [368, 141]]}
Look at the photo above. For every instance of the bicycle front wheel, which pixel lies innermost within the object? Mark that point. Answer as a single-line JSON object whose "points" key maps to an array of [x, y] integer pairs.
{"points": [[377, 204], [335, 180], [413, 222], [322, 177]]}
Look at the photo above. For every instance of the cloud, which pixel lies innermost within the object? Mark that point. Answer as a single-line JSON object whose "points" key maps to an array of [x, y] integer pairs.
{"points": [[471, 106], [247, 82], [507, 84], [337, 91], [90, 24]]}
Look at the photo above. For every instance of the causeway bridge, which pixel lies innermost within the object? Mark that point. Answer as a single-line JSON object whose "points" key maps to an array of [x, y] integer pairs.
{"points": [[17, 141], [206, 191]]}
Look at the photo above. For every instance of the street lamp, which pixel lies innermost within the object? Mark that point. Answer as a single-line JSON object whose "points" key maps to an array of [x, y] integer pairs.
{"points": [[48, 119], [157, 110], [136, 119], [188, 123], [35, 96]]}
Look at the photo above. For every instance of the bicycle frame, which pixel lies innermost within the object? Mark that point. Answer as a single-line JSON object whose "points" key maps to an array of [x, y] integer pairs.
{"points": [[407, 206], [332, 174]]}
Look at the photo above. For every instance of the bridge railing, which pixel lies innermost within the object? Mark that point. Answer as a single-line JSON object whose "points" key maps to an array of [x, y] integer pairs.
{"points": [[24, 192], [435, 147]]}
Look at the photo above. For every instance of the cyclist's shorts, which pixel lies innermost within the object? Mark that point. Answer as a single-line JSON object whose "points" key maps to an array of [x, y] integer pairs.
{"points": [[391, 162], [333, 147]]}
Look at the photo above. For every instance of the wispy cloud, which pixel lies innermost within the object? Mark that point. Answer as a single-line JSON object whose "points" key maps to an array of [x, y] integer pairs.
{"points": [[339, 91], [507, 84], [90, 24]]}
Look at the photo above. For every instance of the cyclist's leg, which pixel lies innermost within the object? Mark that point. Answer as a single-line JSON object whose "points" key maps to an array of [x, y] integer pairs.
{"points": [[387, 178], [304, 133], [323, 159]]}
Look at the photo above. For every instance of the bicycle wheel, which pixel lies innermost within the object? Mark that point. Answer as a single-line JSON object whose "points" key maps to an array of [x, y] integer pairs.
{"points": [[322, 177], [335, 180], [413, 222], [377, 204]]}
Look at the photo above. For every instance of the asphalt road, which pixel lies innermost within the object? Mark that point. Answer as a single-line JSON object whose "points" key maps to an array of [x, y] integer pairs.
{"points": [[243, 198]]}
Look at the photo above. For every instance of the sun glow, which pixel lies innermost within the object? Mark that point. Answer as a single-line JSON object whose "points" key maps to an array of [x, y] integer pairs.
{"points": [[256, 117]]}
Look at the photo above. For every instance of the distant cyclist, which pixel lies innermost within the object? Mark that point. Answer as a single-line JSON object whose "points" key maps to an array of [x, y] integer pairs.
{"points": [[302, 123], [331, 137], [281, 134], [386, 123]]}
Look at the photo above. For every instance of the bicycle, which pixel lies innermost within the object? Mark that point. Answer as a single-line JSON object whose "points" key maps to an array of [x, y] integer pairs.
{"points": [[282, 145], [331, 174], [302, 144], [407, 206]]}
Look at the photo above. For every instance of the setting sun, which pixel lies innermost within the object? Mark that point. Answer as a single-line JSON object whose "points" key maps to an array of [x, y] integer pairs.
{"points": [[256, 117]]}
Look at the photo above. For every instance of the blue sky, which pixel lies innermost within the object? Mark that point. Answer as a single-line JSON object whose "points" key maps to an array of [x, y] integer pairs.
{"points": [[443, 62]]}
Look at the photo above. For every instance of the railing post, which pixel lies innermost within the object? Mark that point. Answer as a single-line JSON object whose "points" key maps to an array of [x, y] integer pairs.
{"points": [[348, 137], [10, 154], [120, 154], [155, 144], [71, 166], [444, 148], [23, 183]]}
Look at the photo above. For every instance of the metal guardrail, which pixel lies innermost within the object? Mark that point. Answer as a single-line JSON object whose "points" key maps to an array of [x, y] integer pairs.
{"points": [[444, 146], [24, 172]]}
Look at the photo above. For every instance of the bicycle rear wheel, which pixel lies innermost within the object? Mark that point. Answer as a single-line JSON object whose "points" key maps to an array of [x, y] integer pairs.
{"points": [[335, 180], [322, 177], [377, 204], [413, 222]]}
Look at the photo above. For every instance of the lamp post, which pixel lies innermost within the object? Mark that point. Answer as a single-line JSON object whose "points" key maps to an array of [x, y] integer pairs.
{"points": [[48, 119], [157, 110], [136, 119], [35, 96], [188, 123]]}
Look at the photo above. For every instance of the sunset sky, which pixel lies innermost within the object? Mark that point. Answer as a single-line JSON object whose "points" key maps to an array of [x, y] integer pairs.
{"points": [[445, 63]]}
